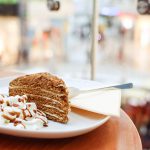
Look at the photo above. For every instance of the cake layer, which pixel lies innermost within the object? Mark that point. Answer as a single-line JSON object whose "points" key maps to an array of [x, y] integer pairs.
{"points": [[39, 92], [47, 81], [56, 118], [54, 89]]}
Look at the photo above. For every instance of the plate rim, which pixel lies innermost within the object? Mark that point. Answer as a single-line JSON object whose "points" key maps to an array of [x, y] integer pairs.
{"points": [[102, 121]]}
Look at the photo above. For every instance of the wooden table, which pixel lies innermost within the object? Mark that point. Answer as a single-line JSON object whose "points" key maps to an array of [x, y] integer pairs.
{"points": [[116, 134]]}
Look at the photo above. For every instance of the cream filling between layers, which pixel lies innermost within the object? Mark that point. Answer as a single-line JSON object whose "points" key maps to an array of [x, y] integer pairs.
{"points": [[48, 106], [46, 91]]}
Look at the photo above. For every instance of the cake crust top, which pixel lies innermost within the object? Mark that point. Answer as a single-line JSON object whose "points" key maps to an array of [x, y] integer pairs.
{"points": [[42, 80]]}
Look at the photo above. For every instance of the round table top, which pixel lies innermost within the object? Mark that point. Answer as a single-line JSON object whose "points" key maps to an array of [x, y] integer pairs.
{"points": [[115, 134]]}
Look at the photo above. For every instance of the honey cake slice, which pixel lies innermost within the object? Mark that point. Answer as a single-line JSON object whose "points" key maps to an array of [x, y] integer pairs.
{"points": [[48, 92]]}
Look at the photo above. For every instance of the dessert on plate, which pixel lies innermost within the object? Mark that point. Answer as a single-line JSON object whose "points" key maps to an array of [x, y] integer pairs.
{"points": [[48, 92]]}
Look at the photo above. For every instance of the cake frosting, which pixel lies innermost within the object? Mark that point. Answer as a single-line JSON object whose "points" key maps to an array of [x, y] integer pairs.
{"points": [[15, 111]]}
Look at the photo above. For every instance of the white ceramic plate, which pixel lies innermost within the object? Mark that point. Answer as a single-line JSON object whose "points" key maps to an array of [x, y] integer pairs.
{"points": [[79, 121]]}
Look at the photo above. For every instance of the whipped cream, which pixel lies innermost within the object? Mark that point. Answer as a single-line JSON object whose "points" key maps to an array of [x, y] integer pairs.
{"points": [[14, 110]]}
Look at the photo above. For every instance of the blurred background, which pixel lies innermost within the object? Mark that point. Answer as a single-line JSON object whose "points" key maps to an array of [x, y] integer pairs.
{"points": [[34, 39]]}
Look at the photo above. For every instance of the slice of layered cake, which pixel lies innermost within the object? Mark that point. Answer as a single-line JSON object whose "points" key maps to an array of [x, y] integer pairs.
{"points": [[48, 92]]}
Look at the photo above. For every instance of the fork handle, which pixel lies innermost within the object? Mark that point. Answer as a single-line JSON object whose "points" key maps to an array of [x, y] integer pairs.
{"points": [[120, 86]]}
